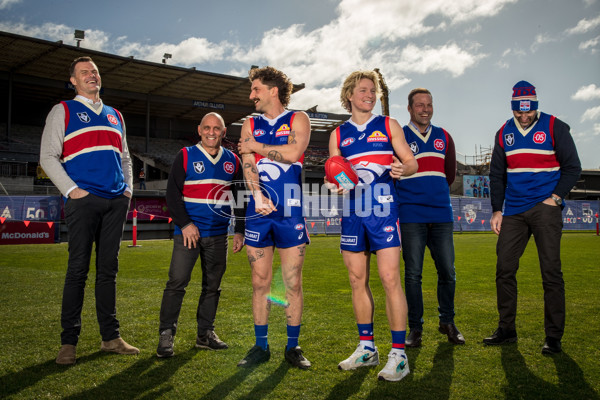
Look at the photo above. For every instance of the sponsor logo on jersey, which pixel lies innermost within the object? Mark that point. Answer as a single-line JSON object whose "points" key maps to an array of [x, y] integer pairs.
{"points": [[228, 167], [414, 147], [112, 119], [293, 203], [347, 142], [390, 238], [389, 228], [539, 137], [84, 117], [283, 130], [385, 199], [299, 227], [377, 136], [361, 137], [300, 235], [199, 166], [259, 132], [438, 144], [509, 138], [349, 240]]}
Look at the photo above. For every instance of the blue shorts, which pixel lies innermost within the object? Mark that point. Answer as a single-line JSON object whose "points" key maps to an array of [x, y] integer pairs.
{"points": [[370, 233], [283, 232]]}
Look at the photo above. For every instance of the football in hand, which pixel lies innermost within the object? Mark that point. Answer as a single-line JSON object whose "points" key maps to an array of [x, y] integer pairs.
{"points": [[340, 172]]}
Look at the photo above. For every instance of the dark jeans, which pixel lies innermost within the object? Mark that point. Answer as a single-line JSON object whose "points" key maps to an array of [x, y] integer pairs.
{"points": [[92, 219], [438, 238], [213, 261], [545, 223]]}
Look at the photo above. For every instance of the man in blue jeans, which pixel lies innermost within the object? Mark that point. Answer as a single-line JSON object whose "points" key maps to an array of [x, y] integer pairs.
{"points": [[426, 217], [200, 185]]}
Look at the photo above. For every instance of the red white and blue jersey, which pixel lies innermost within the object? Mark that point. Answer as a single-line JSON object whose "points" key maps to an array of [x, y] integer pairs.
{"points": [[532, 168], [424, 197], [206, 191], [369, 148], [280, 182], [94, 138]]}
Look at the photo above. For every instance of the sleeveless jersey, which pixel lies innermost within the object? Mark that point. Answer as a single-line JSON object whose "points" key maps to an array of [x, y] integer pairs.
{"points": [[424, 197], [369, 148], [92, 139], [532, 168], [206, 190], [280, 182]]}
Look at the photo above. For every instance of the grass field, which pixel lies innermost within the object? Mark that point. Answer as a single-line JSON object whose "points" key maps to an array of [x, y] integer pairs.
{"points": [[31, 278]]}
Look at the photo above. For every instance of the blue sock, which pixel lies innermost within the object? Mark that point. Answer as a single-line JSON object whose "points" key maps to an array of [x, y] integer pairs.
{"points": [[398, 338], [293, 333], [261, 332], [365, 334]]}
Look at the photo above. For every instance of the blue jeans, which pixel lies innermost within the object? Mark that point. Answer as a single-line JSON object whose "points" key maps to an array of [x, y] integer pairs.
{"points": [[438, 238]]}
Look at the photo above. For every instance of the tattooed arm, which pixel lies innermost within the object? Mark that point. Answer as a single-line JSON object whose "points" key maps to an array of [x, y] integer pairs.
{"points": [[262, 204], [287, 153]]}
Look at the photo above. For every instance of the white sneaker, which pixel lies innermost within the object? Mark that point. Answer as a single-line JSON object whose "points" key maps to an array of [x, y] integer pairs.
{"points": [[396, 367], [360, 358]]}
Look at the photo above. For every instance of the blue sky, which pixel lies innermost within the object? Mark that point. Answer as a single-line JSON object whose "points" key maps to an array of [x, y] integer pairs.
{"points": [[469, 53]]}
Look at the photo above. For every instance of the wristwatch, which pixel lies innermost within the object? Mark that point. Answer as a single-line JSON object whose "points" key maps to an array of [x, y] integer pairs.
{"points": [[557, 200]]}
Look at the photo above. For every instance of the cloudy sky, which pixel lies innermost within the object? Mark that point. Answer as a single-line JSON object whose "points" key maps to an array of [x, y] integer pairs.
{"points": [[469, 53]]}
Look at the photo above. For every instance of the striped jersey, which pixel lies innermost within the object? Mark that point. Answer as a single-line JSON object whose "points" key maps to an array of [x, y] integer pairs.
{"points": [[280, 182], [206, 191], [424, 197], [369, 148], [532, 168], [93, 147]]}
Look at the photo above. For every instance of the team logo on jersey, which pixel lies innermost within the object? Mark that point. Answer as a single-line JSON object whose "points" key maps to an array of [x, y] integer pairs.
{"points": [[361, 137], [349, 240], [438, 144], [84, 117], [228, 167], [539, 137], [347, 142], [259, 132], [389, 228], [283, 130], [377, 136], [199, 166], [112, 119], [414, 147], [509, 139], [299, 227]]}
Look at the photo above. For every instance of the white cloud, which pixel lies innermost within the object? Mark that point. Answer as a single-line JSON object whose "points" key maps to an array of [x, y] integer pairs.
{"points": [[591, 114], [592, 43], [583, 26], [585, 93], [596, 131], [4, 4], [540, 40]]}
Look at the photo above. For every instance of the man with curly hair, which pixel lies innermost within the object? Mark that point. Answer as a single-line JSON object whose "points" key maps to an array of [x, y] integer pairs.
{"points": [[272, 146]]}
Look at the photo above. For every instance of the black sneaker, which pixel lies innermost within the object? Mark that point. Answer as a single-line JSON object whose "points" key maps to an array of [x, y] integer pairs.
{"points": [[255, 356], [551, 346], [501, 336], [294, 356], [210, 341], [165, 344]]}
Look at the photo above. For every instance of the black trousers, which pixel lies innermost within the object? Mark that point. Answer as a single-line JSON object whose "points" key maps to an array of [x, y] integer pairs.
{"points": [[545, 223], [213, 261], [90, 220]]}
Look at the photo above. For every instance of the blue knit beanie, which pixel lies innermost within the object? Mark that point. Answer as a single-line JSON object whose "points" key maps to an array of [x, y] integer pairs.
{"points": [[524, 97]]}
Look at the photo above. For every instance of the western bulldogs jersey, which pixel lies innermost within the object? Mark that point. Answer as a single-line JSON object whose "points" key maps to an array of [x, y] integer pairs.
{"points": [[94, 138], [532, 168], [206, 191], [424, 197], [369, 148], [280, 182]]}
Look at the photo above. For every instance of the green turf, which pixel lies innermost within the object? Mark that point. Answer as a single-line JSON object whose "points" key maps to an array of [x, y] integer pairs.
{"points": [[31, 279]]}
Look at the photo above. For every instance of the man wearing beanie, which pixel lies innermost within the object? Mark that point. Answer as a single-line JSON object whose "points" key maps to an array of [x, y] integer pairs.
{"points": [[534, 166]]}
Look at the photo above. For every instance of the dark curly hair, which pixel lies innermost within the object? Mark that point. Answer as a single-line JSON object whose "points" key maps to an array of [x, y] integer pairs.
{"points": [[273, 78]]}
